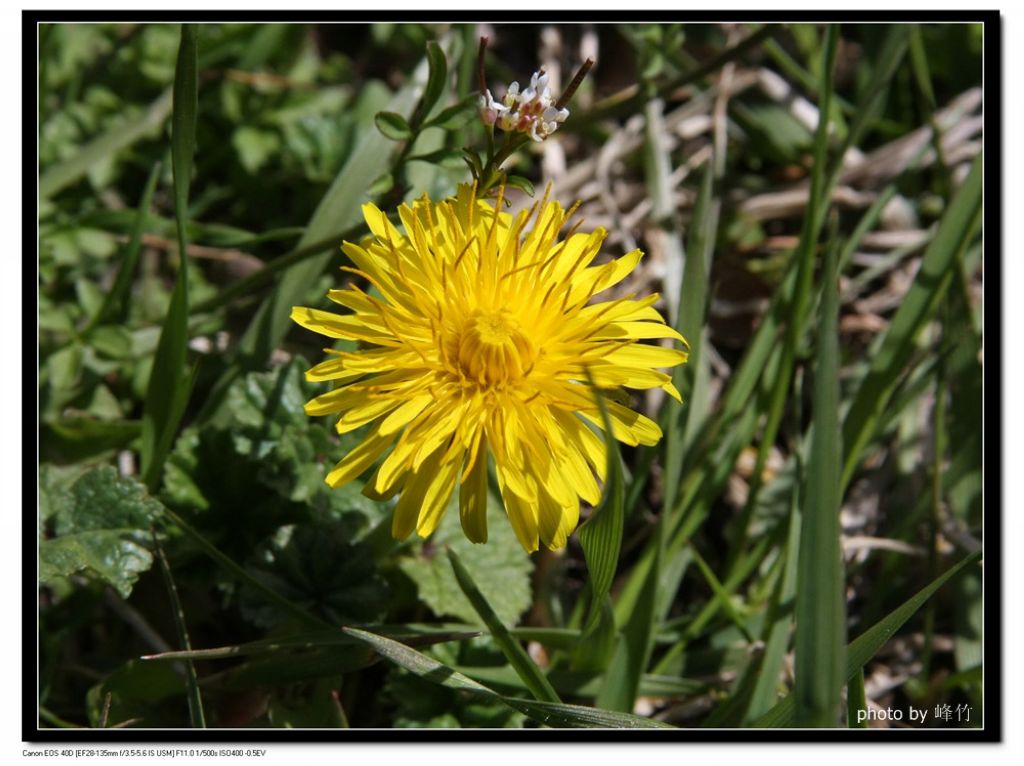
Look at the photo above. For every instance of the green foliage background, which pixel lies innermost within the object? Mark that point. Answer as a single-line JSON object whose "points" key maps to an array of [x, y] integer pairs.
{"points": [[184, 510]]}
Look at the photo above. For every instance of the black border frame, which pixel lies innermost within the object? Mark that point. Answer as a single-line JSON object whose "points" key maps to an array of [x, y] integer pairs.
{"points": [[991, 732]]}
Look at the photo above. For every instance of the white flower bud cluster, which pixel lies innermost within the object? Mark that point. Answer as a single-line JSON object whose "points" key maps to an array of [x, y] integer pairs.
{"points": [[532, 112]]}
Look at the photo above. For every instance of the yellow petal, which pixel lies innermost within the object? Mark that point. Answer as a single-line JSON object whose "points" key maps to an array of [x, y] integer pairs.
{"points": [[358, 460], [642, 355], [638, 331], [338, 326], [556, 520], [402, 416], [365, 413], [473, 498], [523, 517]]}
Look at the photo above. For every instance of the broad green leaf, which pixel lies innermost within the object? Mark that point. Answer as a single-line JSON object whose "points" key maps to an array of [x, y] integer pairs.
{"points": [[316, 568], [101, 527], [110, 555], [532, 676], [501, 569]]}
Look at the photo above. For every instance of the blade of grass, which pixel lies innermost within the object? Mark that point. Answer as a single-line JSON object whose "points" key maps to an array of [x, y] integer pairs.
{"points": [[308, 641], [867, 644], [195, 699], [856, 702], [681, 631], [779, 622], [821, 593], [636, 639], [722, 596], [115, 305], [548, 713], [691, 379], [169, 385], [700, 243], [895, 347], [579, 684], [601, 534], [517, 657]]}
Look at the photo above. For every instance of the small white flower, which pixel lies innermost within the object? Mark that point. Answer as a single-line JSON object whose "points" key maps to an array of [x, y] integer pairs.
{"points": [[490, 110], [531, 111]]}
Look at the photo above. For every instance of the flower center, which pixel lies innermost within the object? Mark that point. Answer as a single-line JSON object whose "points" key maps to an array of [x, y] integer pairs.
{"points": [[492, 348]]}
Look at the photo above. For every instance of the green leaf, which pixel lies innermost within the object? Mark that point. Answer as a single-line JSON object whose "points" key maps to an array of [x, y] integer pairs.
{"points": [[636, 639], [106, 554], [501, 568], [437, 80], [101, 527], [145, 693], [821, 586], [779, 623], [261, 452], [255, 146], [856, 702], [169, 383], [519, 182], [77, 436], [314, 567], [393, 126], [197, 715], [601, 534], [517, 657], [693, 378], [867, 644], [571, 683], [417, 635], [548, 713], [112, 341], [300, 658]]}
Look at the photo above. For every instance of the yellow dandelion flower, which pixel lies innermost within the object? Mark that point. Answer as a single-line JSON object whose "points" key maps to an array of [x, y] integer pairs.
{"points": [[479, 344]]}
